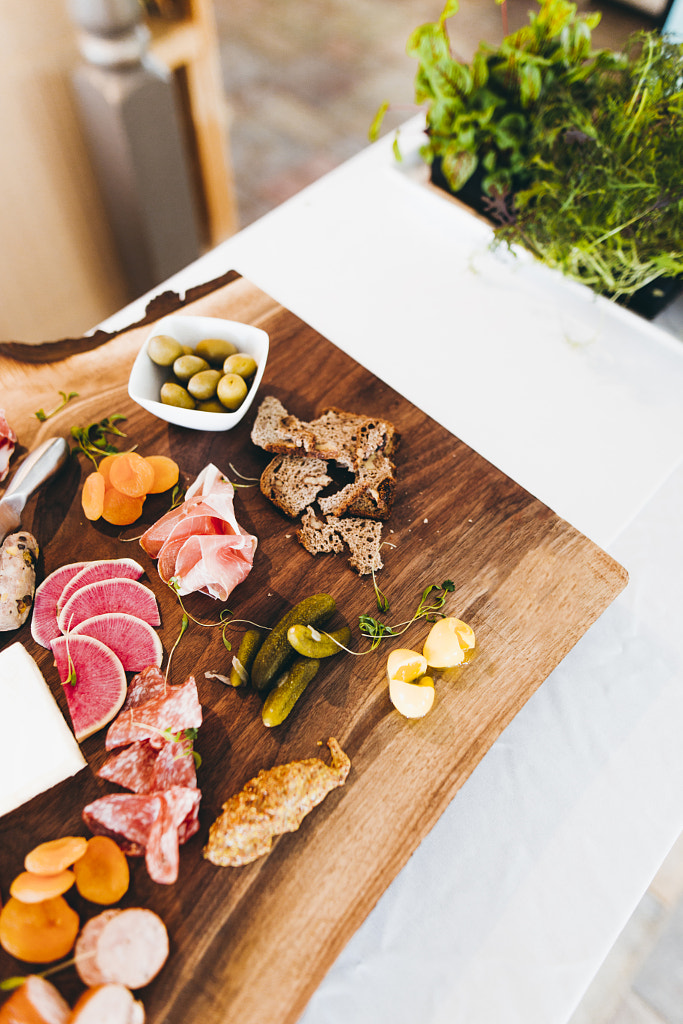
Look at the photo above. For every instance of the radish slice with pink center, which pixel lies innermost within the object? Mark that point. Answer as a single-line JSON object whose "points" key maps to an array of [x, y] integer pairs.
{"points": [[132, 640], [44, 627], [105, 569], [94, 682], [115, 595]]}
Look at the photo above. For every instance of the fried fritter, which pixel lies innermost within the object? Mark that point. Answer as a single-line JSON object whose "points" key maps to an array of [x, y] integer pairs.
{"points": [[276, 801]]}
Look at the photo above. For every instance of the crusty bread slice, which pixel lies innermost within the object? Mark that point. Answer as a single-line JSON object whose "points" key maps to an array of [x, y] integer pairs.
{"points": [[346, 437], [293, 483], [370, 495], [363, 537]]}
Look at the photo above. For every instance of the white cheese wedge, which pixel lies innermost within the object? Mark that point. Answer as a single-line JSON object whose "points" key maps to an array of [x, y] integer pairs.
{"points": [[38, 749]]}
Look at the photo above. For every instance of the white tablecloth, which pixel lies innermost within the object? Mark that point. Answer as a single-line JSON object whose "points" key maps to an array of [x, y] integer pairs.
{"points": [[505, 912]]}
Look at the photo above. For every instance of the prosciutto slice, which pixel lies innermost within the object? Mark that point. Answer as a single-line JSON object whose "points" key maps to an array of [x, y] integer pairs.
{"points": [[200, 544], [8, 440]]}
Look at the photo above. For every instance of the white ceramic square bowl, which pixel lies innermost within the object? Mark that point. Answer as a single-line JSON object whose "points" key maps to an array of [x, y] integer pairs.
{"points": [[146, 377]]}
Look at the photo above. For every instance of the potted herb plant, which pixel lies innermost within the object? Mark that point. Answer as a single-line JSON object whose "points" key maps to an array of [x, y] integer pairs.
{"points": [[574, 152]]}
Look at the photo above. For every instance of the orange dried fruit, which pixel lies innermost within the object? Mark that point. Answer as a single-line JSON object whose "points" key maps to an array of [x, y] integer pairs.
{"points": [[166, 473], [38, 932], [28, 887], [105, 465], [131, 475], [92, 497], [102, 874], [55, 855], [120, 509]]}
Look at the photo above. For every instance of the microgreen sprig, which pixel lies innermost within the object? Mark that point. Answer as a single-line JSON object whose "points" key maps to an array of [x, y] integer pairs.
{"points": [[432, 601], [93, 440], [41, 415]]}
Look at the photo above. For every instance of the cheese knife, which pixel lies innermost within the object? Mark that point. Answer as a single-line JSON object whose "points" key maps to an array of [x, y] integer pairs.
{"points": [[36, 469]]}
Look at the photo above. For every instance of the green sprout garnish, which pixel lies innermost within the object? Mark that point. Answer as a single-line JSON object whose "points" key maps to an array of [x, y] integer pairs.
{"points": [[432, 601], [41, 415]]}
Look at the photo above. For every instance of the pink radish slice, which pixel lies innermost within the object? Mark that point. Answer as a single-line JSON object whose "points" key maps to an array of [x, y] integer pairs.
{"points": [[132, 640], [44, 627], [115, 595], [99, 689], [105, 569]]}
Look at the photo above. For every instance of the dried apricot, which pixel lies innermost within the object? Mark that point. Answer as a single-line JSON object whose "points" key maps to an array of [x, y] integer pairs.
{"points": [[166, 473], [28, 887], [131, 475], [38, 932], [55, 855], [102, 874], [105, 465], [92, 497], [120, 509]]}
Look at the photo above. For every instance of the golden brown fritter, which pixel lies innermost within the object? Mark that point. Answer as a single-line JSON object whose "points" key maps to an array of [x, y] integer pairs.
{"points": [[276, 801]]}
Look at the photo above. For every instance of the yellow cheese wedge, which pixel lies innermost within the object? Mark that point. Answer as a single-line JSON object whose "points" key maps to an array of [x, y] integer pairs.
{"points": [[413, 700], [447, 643], [38, 748]]}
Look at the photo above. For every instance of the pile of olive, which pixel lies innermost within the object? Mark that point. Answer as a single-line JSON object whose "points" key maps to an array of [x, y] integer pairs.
{"points": [[211, 377]]}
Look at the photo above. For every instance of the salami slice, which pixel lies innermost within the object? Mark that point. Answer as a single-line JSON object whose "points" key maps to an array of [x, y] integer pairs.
{"points": [[132, 767], [161, 853], [174, 766], [125, 817], [129, 947], [177, 709], [146, 685]]}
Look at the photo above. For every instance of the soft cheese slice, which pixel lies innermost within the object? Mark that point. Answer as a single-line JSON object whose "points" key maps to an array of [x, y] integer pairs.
{"points": [[38, 748]]}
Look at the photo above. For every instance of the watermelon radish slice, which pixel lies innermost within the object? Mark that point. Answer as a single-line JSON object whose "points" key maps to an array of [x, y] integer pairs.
{"points": [[132, 640], [115, 595], [99, 689], [105, 569], [44, 627]]}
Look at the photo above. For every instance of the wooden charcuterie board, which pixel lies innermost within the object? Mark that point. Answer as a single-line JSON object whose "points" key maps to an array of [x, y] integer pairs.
{"points": [[252, 943]]}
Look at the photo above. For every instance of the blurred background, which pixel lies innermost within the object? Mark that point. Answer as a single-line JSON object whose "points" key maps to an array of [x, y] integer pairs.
{"points": [[269, 96]]}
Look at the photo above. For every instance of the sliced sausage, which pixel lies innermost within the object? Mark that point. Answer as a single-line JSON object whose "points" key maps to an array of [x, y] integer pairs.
{"points": [[128, 947], [108, 1004], [37, 1001]]}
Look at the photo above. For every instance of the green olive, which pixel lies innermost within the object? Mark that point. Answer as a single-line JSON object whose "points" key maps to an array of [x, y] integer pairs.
{"points": [[185, 367], [163, 350], [175, 394], [215, 350], [203, 385], [232, 391], [241, 364], [187, 350], [211, 405]]}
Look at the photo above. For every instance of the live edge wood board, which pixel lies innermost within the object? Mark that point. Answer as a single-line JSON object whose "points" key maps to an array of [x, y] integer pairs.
{"points": [[251, 944]]}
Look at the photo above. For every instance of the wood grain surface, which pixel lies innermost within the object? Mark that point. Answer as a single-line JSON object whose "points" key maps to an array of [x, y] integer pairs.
{"points": [[252, 943]]}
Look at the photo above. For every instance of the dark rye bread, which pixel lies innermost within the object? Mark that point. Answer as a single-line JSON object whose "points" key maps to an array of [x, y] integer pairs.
{"points": [[370, 495], [363, 537], [348, 438], [293, 483]]}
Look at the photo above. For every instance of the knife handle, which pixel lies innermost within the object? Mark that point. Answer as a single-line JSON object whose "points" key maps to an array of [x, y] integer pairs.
{"points": [[37, 468]]}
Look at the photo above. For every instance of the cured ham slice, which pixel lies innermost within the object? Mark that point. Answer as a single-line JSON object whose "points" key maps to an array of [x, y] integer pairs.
{"points": [[200, 545], [8, 440], [177, 709]]}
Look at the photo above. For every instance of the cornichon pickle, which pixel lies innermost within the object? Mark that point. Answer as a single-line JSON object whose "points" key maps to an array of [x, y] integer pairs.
{"points": [[302, 640], [276, 651], [247, 651], [289, 688]]}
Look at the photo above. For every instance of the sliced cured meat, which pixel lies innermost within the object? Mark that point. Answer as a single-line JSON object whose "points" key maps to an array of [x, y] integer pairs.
{"points": [[129, 947], [44, 626], [113, 595], [200, 544], [125, 817], [132, 767], [108, 1004], [103, 569], [8, 440], [177, 709], [37, 1001], [132, 640], [153, 824], [144, 686], [93, 679], [143, 768]]}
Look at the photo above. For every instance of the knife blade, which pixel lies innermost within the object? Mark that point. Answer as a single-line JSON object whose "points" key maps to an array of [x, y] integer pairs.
{"points": [[36, 469]]}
